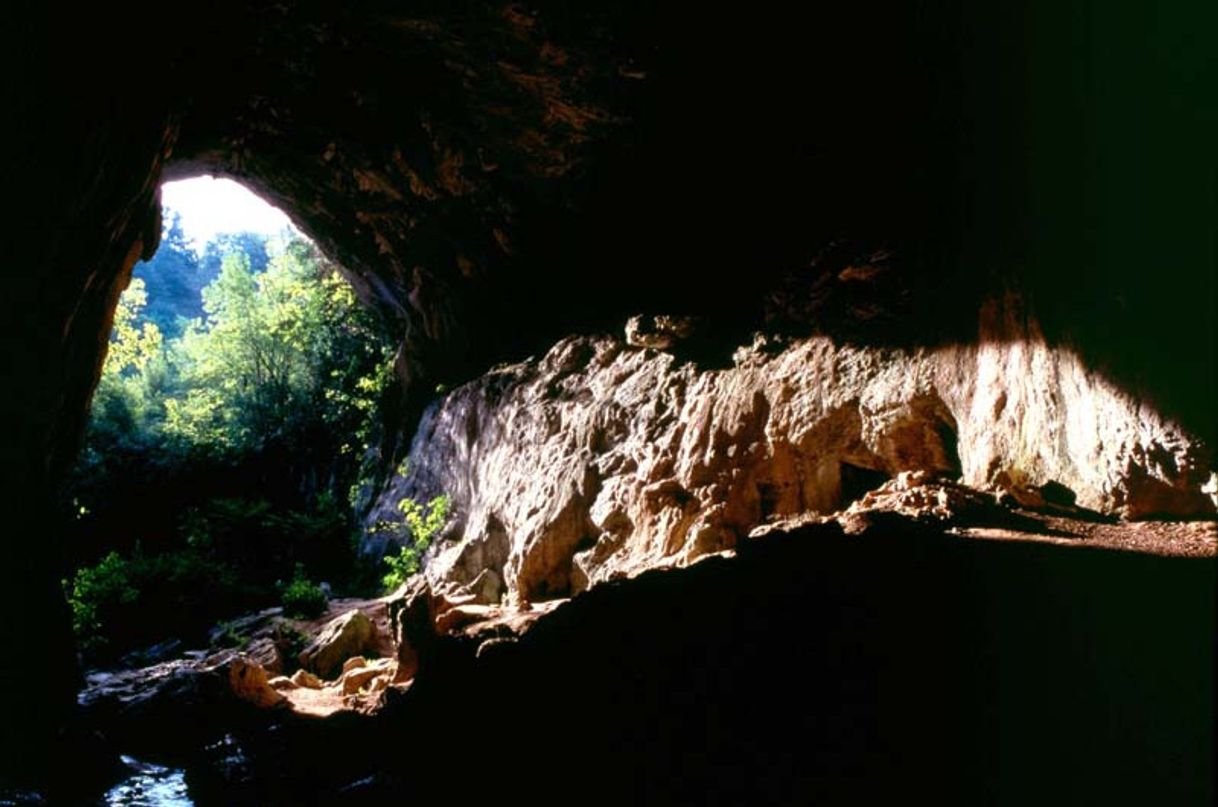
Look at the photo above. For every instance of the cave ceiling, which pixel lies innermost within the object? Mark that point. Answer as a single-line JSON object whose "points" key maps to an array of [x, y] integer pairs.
{"points": [[493, 176]]}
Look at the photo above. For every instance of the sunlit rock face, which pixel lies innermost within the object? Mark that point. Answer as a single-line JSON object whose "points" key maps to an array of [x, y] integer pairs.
{"points": [[601, 459]]}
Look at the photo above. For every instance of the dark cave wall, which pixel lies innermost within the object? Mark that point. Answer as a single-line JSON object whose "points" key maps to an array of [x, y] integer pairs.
{"points": [[82, 153], [494, 176]]}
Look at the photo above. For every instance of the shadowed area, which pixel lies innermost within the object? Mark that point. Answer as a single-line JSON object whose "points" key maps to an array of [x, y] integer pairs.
{"points": [[813, 666]]}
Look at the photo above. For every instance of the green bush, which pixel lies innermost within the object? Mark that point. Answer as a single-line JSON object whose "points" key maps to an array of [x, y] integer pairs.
{"points": [[97, 591], [229, 637], [122, 603], [420, 524], [303, 598]]}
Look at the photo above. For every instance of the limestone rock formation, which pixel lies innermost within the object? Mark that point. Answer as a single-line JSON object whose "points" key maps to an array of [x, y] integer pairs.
{"points": [[599, 460], [917, 495]]}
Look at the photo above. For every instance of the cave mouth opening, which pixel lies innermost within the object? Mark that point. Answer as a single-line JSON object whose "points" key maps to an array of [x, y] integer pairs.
{"points": [[227, 439]]}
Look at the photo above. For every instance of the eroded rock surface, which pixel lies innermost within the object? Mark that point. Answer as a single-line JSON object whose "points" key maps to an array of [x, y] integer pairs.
{"points": [[600, 460]]}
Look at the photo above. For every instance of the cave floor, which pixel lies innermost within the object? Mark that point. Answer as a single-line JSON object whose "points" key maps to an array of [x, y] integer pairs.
{"points": [[886, 643], [1181, 539]]}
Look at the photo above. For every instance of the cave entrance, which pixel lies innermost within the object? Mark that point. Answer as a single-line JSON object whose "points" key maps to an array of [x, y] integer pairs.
{"points": [[232, 420]]}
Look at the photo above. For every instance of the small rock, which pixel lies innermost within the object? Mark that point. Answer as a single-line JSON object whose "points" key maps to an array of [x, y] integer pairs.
{"points": [[354, 663], [157, 653], [494, 645], [1011, 493], [306, 679]]}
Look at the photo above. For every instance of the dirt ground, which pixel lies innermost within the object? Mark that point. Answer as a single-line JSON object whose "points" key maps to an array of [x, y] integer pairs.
{"points": [[1166, 538]]}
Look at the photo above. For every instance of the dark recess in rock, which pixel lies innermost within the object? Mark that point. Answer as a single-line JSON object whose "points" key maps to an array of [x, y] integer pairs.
{"points": [[857, 481]]}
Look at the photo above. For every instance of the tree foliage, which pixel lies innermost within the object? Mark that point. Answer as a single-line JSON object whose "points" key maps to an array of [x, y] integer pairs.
{"points": [[174, 277], [279, 351], [244, 428], [302, 597], [422, 523]]}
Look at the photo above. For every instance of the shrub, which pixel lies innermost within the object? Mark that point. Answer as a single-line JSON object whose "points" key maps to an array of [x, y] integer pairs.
{"points": [[95, 591], [229, 637], [290, 640], [421, 523], [303, 598], [121, 603]]}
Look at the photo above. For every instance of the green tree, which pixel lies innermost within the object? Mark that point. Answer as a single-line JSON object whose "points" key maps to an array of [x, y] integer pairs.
{"points": [[280, 352], [127, 406], [422, 523], [235, 439], [174, 277], [132, 344]]}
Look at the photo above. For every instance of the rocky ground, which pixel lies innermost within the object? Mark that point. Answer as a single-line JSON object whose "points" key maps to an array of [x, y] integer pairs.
{"points": [[1021, 514], [398, 660]]}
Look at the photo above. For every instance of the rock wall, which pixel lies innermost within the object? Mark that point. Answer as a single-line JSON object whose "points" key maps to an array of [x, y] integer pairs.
{"points": [[601, 459]]}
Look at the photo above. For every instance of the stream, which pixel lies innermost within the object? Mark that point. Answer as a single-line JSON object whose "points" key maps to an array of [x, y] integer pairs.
{"points": [[149, 786]]}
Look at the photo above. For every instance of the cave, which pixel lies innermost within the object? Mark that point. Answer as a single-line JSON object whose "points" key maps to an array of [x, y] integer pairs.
{"points": [[658, 280]]}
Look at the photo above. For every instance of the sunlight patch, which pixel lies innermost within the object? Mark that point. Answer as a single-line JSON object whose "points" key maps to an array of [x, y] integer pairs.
{"points": [[209, 206]]}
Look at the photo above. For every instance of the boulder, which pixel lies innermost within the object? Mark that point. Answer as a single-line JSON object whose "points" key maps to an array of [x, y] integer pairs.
{"points": [[176, 705], [345, 636]]}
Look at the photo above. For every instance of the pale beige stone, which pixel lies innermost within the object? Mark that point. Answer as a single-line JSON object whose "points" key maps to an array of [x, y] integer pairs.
{"points": [[600, 460]]}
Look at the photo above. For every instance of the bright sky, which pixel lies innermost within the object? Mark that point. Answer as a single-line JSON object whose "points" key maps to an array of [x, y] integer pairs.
{"points": [[209, 206]]}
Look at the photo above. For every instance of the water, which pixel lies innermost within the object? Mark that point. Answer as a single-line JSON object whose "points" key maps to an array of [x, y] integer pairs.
{"points": [[150, 786]]}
